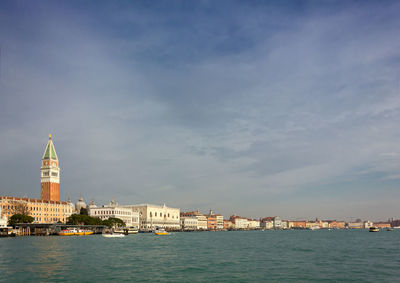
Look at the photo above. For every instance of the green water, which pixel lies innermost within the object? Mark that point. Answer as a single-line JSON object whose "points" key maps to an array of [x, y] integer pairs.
{"points": [[252, 256]]}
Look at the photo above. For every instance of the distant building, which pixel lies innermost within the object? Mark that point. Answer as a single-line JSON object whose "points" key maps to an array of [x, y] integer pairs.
{"points": [[253, 224], [274, 222], [152, 216], [112, 210], [336, 224], [267, 223], [3, 219], [355, 225], [239, 222], [214, 221], [382, 224], [189, 223], [299, 224], [228, 224], [368, 224], [202, 222], [79, 205]]}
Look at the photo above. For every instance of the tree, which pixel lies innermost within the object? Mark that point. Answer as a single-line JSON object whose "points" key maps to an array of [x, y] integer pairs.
{"points": [[80, 219], [84, 211], [21, 207], [20, 218], [114, 222]]}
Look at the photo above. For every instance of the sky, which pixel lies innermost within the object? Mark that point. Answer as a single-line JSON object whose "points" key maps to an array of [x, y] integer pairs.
{"points": [[254, 108]]}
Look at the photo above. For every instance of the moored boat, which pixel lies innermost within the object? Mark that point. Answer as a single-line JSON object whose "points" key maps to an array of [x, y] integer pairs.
{"points": [[75, 232], [374, 229]]}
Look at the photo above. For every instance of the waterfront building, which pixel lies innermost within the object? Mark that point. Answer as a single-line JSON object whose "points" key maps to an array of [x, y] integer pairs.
{"points": [[382, 224], [42, 211], [228, 224], [284, 224], [215, 221], [189, 223], [355, 225], [253, 224], [50, 174], [202, 222], [299, 224], [49, 208], [239, 222], [336, 224], [274, 221], [113, 210], [152, 216], [3, 219], [267, 223], [368, 224]]}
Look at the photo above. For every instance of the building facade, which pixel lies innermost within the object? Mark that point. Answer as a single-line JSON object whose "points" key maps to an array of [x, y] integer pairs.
{"points": [[202, 222], [3, 219], [43, 211], [130, 218], [189, 223], [152, 216]]}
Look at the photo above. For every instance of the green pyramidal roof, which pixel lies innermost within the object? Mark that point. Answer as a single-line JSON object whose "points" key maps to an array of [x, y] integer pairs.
{"points": [[50, 152]]}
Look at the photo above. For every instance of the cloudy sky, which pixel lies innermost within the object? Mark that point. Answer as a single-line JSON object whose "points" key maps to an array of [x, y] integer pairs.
{"points": [[257, 108]]}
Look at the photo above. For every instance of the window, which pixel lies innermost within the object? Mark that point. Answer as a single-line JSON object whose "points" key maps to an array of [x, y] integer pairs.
{"points": [[155, 214], [160, 214], [54, 174]]}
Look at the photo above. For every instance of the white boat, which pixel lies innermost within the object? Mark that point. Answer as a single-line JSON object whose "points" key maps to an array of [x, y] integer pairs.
{"points": [[315, 228], [113, 235]]}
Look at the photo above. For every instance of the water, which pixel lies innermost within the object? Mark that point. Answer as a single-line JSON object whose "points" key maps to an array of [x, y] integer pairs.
{"points": [[248, 256]]}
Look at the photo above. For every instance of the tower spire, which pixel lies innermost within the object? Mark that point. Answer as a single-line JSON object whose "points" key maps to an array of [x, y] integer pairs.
{"points": [[50, 173]]}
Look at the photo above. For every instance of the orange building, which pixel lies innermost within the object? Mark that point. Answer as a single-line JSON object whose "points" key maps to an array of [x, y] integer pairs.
{"points": [[336, 224], [42, 211], [299, 224], [382, 224]]}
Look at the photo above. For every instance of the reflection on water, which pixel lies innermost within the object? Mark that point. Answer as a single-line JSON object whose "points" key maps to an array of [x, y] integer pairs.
{"points": [[51, 256]]}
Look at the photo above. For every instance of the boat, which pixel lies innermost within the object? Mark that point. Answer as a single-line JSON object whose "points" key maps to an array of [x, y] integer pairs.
{"points": [[75, 232], [374, 229], [67, 232], [132, 230], [113, 235], [160, 231], [389, 229], [314, 228]]}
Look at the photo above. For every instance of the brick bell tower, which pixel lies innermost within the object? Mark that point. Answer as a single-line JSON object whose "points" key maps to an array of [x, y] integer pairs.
{"points": [[50, 174]]}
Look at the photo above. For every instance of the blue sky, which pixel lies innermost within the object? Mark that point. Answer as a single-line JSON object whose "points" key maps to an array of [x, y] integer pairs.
{"points": [[286, 108]]}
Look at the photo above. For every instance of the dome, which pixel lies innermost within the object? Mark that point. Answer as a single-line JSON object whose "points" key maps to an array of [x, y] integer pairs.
{"points": [[80, 204]]}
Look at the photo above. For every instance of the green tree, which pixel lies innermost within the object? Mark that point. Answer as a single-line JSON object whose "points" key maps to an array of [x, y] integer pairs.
{"points": [[20, 218], [81, 219], [114, 222]]}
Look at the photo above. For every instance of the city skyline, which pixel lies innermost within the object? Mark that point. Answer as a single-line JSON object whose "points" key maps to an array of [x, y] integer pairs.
{"points": [[248, 108]]}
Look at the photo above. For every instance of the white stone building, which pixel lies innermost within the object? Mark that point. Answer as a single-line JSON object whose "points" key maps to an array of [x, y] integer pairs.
{"points": [[152, 216], [189, 223], [130, 218], [253, 224], [3, 219], [239, 222], [202, 223]]}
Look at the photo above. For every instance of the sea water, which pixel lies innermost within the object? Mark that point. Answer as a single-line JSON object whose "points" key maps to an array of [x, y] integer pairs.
{"points": [[231, 256]]}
